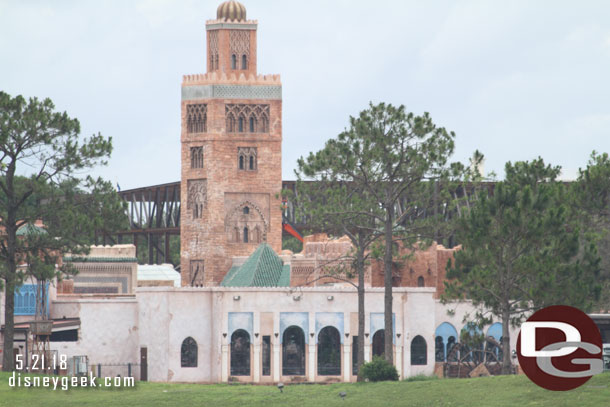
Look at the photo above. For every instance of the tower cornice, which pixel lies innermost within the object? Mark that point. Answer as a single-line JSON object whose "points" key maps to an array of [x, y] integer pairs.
{"points": [[214, 78], [231, 25]]}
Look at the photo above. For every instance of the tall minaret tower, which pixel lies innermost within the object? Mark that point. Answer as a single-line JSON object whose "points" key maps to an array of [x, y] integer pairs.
{"points": [[231, 153]]}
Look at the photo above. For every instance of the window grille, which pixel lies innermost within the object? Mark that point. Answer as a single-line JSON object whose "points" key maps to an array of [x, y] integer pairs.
{"points": [[196, 118], [196, 157]]}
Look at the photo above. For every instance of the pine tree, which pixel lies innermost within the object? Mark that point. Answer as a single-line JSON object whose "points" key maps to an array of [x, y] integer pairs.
{"points": [[522, 250], [41, 156]]}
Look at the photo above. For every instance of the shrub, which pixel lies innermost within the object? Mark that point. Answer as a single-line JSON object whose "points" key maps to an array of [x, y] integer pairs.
{"points": [[378, 370]]}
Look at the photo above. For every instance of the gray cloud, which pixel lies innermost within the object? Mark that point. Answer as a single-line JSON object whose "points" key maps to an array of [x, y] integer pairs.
{"points": [[514, 80]]}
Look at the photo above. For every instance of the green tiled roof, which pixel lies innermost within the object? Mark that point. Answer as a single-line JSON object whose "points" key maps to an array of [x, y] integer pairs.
{"points": [[263, 268], [30, 229]]}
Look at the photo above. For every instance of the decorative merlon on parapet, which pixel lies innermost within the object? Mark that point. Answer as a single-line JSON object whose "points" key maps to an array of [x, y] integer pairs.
{"points": [[214, 78], [245, 22]]}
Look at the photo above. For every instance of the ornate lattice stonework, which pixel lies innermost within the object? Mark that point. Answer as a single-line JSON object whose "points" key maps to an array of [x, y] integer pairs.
{"points": [[197, 197], [239, 41], [247, 118], [194, 92], [213, 51], [196, 118]]}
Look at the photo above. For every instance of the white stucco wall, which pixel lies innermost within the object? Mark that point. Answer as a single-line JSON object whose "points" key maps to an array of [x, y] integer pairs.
{"points": [[419, 319], [109, 332], [168, 316], [114, 329]]}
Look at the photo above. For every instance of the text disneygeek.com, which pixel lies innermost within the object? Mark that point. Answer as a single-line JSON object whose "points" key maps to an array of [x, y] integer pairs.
{"points": [[66, 382]]}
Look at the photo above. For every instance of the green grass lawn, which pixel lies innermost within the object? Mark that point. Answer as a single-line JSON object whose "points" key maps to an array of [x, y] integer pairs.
{"points": [[489, 391]]}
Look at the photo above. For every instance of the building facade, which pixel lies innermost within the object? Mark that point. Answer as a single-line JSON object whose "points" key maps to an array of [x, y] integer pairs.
{"points": [[245, 311]]}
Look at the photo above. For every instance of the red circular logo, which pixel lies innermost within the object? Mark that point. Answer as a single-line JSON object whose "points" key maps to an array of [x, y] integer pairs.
{"points": [[560, 348]]}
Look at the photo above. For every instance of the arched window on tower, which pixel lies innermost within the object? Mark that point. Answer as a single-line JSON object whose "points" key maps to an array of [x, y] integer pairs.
{"points": [[241, 125], [233, 61], [246, 234], [420, 281], [196, 118], [246, 210], [188, 353], [244, 62], [230, 123], [246, 158], [197, 157], [252, 125]]}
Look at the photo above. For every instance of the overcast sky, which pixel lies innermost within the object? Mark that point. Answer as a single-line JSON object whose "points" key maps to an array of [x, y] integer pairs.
{"points": [[513, 79]]}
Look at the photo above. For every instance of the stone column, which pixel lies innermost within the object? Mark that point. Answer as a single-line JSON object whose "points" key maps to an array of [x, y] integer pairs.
{"points": [[256, 374], [225, 362], [367, 349], [275, 346], [311, 366], [347, 352], [257, 361], [276, 360]]}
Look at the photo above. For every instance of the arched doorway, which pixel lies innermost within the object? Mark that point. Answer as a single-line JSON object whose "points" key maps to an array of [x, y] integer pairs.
{"points": [[329, 352], [293, 352], [379, 343], [419, 351], [240, 353]]}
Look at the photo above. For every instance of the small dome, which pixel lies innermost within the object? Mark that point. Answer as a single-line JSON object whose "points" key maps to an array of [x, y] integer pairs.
{"points": [[231, 10]]}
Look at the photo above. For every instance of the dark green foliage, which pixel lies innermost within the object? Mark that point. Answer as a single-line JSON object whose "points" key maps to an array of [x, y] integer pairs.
{"points": [[592, 197], [378, 370], [523, 250], [291, 243], [45, 148]]}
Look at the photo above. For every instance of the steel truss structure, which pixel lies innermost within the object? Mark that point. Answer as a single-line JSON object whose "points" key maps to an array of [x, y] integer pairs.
{"points": [[154, 216]]}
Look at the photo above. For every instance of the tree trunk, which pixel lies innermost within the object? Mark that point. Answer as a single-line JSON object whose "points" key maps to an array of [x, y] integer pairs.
{"points": [[506, 355], [11, 272], [361, 311], [387, 282], [9, 322]]}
